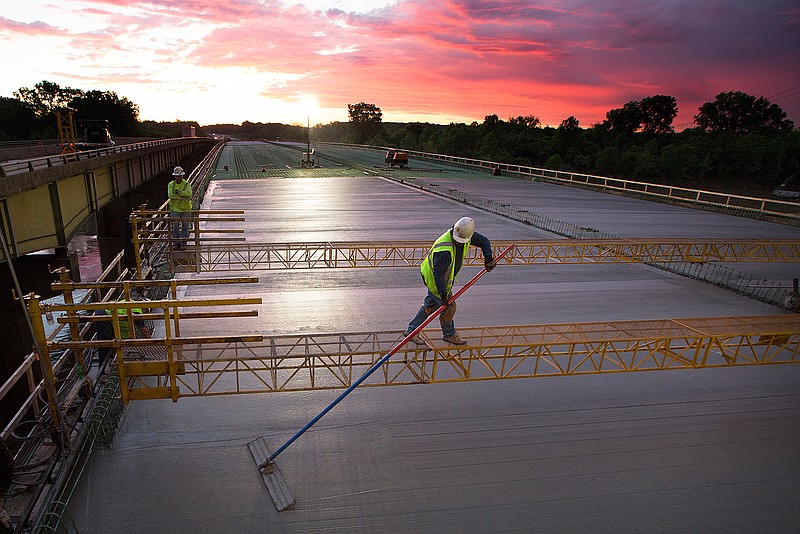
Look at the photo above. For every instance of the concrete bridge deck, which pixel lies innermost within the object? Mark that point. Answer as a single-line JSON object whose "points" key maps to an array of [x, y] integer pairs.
{"points": [[704, 450]]}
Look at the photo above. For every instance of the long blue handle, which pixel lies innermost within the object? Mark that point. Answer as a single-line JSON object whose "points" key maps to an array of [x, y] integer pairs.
{"points": [[377, 365]]}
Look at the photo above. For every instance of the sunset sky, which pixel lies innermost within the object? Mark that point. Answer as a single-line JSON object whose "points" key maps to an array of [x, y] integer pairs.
{"points": [[226, 61]]}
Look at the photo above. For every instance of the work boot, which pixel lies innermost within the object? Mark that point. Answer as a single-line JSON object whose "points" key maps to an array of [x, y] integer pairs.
{"points": [[416, 339], [455, 339]]}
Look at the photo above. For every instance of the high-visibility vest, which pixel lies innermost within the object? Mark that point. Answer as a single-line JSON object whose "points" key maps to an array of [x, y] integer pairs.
{"points": [[124, 331], [445, 242], [180, 196]]}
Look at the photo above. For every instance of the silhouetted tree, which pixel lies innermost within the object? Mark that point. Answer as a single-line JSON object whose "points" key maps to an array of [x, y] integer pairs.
{"points": [[365, 120], [739, 112], [17, 121], [45, 97], [570, 124], [651, 115], [657, 114], [122, 114], [626, 119], [363, 112], [528, 121]]}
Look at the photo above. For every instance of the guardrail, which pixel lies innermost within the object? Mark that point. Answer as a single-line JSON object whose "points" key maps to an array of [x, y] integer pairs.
{"points": [[698, 197], [81, 387], [40, 459], [734, 204], [753, 286], [12, 168], [29, 142]]}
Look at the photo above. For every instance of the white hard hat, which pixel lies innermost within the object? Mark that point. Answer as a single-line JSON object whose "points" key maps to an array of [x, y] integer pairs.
{"points": [[178, 171], [463, 229]]}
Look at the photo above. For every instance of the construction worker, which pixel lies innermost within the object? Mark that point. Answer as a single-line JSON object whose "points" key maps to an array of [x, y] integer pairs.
{"points": [[439, 271], [141, 330], [105, 330], [179, 192]]}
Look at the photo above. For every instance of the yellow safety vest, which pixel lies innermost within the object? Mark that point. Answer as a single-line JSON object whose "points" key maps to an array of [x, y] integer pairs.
{"points": [[445, 242], [180, 196], [124, 331]]}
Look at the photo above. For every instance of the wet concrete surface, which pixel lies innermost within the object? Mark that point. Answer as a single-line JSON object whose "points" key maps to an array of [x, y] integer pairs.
{"points": [[705, 450]]}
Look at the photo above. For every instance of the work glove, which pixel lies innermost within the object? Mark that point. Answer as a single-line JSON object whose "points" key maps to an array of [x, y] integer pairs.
{"points": [[448, 314], [489, 264]]}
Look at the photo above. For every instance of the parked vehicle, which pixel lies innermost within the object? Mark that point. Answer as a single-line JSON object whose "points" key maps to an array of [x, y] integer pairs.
{"points": [[789, 189], [94, 134], [396, 157]]}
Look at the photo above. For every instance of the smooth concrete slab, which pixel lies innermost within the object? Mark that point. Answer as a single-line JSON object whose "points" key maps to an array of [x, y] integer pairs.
{"points": [[670, 451], [617, 215]]}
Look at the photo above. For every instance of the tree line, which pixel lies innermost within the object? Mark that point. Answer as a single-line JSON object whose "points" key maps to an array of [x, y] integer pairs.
{"points": [[738, 142], [30, 114]]}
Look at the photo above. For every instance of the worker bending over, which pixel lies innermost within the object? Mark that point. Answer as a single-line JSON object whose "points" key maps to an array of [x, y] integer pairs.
{"points": [[105, 329], [439, 271]]}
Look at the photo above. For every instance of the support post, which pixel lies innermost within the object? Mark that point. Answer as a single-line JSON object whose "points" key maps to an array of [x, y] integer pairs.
{"points": [[74, 324], [134, 222], [40, 339]]}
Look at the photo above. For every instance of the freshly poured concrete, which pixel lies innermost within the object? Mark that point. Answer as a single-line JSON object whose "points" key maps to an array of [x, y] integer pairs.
{"points": [[670, 451]]}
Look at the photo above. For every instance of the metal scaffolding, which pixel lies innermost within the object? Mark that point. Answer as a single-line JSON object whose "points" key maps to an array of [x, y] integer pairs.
{"points": [[209, 250], [326, 255], [332, 361]]}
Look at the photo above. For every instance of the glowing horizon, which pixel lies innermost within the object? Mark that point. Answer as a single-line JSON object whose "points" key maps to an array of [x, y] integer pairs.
{"points": [[419, 61]]}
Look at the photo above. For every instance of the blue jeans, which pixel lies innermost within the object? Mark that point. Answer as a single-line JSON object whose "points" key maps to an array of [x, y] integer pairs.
{"points": [[180, 227], [432, 301]]}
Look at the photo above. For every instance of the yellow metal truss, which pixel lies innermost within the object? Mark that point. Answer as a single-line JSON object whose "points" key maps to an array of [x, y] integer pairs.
{"points": [[334, 361], [268, 256], [65, 119], [209, 251]]}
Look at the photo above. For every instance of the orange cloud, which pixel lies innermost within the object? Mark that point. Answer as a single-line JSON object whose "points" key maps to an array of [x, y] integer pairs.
{"points": [[459, 58]]}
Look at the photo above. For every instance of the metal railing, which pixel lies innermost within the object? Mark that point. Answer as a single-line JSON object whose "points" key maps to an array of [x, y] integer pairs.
{"points": [[21, 167], [723, 276], [780, 210], [41, 453], [48, 457], [56, 435], [737, 204]]}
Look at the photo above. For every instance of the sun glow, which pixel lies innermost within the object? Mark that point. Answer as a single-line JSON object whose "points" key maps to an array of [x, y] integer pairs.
{"points": [[292, 61], [308, 106]]}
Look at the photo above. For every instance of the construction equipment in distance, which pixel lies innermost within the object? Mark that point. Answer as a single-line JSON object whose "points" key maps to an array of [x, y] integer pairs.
{"points": [[309, 158], [396, 157], [94, 134], [65, 117]]}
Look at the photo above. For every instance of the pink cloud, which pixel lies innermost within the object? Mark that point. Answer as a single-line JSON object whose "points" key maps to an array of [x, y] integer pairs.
{"points": [[223, 11], [11, 27], [471, 58]]}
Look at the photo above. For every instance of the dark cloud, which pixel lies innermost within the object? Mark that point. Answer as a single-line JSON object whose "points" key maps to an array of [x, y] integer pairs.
{"points": [[551, 58]]}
